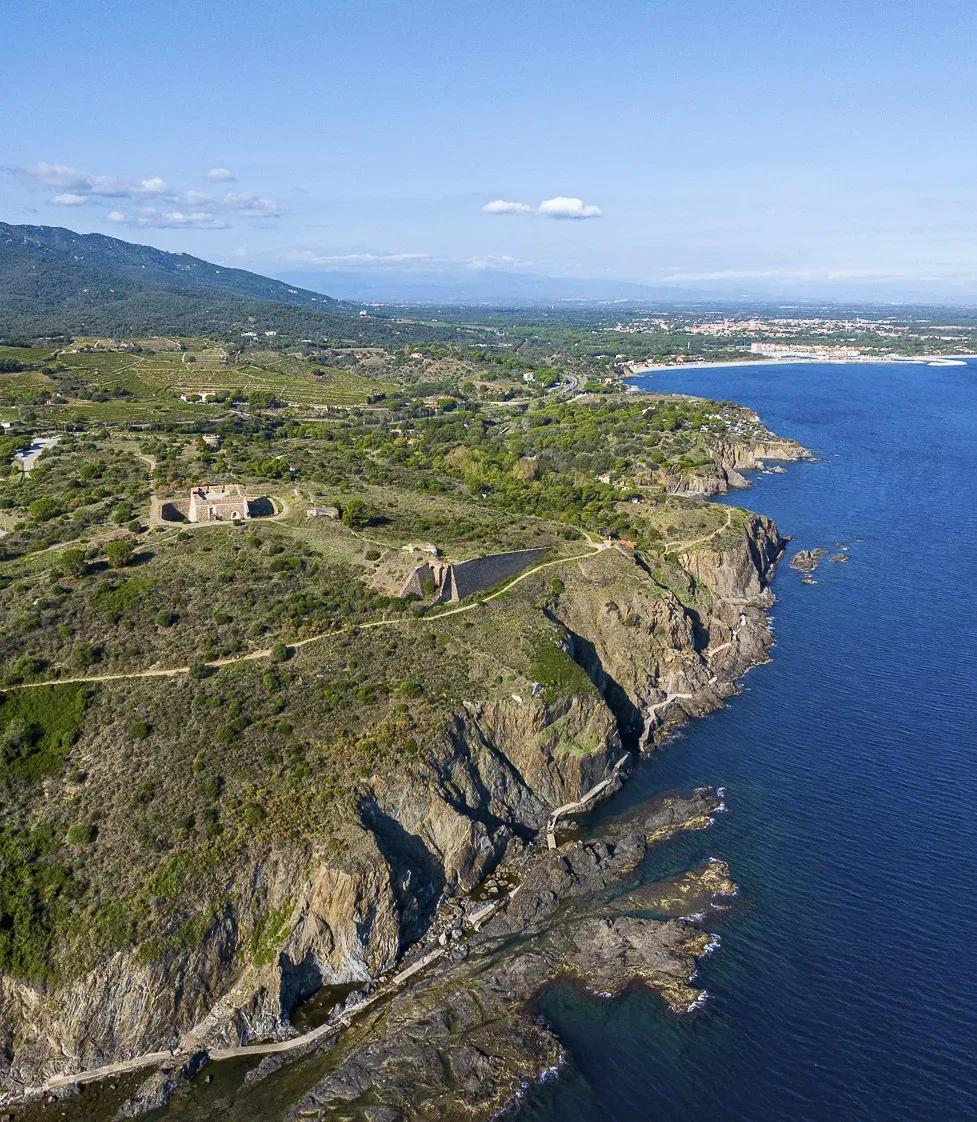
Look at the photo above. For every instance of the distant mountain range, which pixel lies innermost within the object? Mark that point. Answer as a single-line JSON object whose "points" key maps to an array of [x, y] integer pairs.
{"points": [[514, 288], [480, 286], [55, 281], [93, 268]]}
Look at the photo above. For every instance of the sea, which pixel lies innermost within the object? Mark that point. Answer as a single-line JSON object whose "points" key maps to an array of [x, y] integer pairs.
{"points": [[845, 983]]}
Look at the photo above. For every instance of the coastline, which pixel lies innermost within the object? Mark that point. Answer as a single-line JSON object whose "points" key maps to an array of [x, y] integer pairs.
{"points": [[867, 360], [661, 721]]}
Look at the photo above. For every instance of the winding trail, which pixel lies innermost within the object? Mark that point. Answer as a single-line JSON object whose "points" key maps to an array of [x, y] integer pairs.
{"points": [[581, 803], [266, 652], [730, 642], [678, 547]]}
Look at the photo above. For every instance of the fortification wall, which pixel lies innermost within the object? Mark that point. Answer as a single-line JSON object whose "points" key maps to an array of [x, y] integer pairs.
{"points": [[467, 577]]}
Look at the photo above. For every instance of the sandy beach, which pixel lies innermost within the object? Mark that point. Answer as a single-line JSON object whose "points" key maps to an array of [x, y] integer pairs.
{"points": [[759, 360]]}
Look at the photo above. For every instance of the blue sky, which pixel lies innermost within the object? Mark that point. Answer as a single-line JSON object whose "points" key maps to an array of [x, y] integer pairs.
{"points": [[826, 147]]}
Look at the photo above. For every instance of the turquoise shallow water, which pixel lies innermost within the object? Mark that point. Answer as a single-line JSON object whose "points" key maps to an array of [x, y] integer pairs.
{"points": [[845, 985]]}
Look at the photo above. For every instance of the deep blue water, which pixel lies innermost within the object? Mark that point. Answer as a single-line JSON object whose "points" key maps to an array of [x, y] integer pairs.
{"points": [[846, 983]]}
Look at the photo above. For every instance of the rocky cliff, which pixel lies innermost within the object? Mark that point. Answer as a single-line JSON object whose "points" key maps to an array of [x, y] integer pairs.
{"points": [[654, 653], [732, 460]]}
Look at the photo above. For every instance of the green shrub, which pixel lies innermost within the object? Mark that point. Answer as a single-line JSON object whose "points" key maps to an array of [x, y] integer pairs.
{"points": [[269, 934], [72, 563], [555, 669], [253, 814], [138, 730], [356, 514], [281, 652], [82, 656], [114, 601], [119, 553], [81, 833], [43, 509], [34, 890]]}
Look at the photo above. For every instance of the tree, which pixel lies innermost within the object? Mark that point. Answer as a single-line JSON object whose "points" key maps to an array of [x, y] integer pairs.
{"points": [[43, 508], [356, 514], [71, 563], [81, 833], [119, 553], [82, 656]]}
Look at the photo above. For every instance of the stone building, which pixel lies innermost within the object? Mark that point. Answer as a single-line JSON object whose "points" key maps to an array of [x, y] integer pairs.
{"points": [[218, 502]]}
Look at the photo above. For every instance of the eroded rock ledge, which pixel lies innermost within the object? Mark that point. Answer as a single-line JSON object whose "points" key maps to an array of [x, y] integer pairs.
{"points": [[464, 1040]]}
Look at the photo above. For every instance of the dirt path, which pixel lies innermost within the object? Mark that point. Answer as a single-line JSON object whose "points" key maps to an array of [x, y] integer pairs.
{"points": [[677, 547], [265, 652], [189, 1045]]}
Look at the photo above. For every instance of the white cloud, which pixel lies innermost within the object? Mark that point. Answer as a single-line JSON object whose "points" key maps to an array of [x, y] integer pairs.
{"points": [[251, 205], [503, 261], [178, 219], [562, 206], [183, 208], [737, 274], [325, 257], [116, 216], [502, 206], [84, 185], [355, 258]]}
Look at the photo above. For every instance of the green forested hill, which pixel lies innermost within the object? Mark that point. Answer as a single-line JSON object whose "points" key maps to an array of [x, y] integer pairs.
{"points": [[53, 280], [47, 268]]}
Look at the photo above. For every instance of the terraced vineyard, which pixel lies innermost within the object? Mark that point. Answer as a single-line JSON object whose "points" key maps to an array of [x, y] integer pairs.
{"points": [[163, 371], [15, 388]]}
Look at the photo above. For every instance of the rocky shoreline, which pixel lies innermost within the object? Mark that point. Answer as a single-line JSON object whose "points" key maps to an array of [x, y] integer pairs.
{"points": [[465, 1040]]}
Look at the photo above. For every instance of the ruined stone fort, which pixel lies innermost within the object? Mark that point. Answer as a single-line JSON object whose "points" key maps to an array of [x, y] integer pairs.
{"points": [[449, 582], [213, 502]]}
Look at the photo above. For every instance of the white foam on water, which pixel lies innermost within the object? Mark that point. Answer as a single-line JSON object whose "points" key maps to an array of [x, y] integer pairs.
{"points": [[699, 1002]]}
